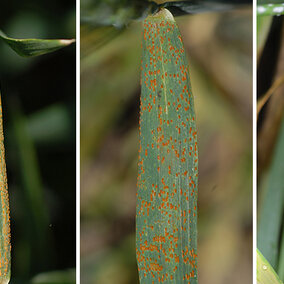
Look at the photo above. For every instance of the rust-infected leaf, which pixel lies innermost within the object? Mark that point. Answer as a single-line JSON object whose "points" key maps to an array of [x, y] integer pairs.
{"points": [[166, 219], [5, 246]]}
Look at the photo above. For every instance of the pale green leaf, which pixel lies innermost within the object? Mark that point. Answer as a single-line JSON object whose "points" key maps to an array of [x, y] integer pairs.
{"points": [[263, 27], [265, 273]]}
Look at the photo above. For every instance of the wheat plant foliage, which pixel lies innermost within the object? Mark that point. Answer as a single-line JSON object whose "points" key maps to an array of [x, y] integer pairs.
{"points": [[166, 216], [34, 47], [5, 246], [265, 272]]}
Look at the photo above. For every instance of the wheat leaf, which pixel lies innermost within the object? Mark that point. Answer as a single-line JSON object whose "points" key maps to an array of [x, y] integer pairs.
{"points": [[166, 219], [265, 273], [34, 47], [271, 207], [5, 246]]}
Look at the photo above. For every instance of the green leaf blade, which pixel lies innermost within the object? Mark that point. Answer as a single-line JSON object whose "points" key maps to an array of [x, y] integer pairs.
{"points": [[5, 245], [166, 216], [35, 47], [272, 206]]}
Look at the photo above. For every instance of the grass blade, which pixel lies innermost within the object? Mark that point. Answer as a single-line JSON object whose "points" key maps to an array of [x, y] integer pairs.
{"points": [[34, 47], [265, 273], [5, 246], [263, 27], [281, 258], [272, 206], [166, 219]]}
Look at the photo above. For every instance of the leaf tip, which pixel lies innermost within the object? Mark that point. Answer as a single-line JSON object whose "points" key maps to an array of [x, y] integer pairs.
{"points": [[67, 41]]}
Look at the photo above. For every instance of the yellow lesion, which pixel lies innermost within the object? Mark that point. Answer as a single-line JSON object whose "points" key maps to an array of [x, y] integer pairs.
{"points": [[5, 246]]}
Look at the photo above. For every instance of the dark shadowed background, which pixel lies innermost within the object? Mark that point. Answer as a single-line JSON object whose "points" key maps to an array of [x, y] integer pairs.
{"points": [[38, 97]]}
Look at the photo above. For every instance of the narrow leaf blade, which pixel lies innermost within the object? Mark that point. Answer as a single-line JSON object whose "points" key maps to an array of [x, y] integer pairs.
{"points": [[272, 206], [35, 47], [166, 216], [5, 245]]}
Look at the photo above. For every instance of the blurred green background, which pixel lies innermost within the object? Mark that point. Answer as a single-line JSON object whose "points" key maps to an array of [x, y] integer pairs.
{"points": [[219, 47], [39, 98]]}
